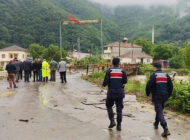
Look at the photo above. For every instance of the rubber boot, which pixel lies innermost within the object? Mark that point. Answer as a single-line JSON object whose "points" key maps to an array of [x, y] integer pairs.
{"points": [[112, 124], [118, 126], [166, 132]]}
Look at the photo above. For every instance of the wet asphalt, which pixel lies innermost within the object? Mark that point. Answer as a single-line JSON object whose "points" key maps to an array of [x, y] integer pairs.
{"points": [[76, 111]]}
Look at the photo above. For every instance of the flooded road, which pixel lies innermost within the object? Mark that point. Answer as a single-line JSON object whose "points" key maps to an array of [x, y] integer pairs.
{"points": [[76, 111]]}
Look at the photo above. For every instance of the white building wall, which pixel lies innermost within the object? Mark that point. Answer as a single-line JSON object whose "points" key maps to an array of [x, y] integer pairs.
{"points": [[20, 55]]}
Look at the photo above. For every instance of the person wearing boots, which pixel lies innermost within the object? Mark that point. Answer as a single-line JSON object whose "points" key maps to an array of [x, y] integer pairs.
{"points": [[115, 79], [161, 87], [45, 70]]}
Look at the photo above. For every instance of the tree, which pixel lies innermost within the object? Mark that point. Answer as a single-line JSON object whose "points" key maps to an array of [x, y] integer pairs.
{"points": [[176, 61], [53, 52], [162, 51], [36, 51], [146, 44], [186, 53]]}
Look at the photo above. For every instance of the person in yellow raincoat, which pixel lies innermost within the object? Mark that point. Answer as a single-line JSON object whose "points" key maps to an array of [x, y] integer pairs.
{"points": [[45, 70]]}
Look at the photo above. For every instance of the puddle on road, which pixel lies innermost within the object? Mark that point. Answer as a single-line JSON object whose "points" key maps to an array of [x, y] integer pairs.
{"points": [[7, 93]]}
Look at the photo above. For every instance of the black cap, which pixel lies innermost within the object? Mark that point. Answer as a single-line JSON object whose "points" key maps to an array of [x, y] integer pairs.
{"points": [[158, 65], [115, 61]]}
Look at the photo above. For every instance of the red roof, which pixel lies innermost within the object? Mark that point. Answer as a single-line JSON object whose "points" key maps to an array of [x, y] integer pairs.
{"points": [[123, 44], [134, 54], [14, 48]]}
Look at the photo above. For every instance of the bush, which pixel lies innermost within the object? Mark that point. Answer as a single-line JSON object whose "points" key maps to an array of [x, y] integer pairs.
{"points": [[180, 99], [143, 69], [134, 87], [1, 68], [89, 60]]}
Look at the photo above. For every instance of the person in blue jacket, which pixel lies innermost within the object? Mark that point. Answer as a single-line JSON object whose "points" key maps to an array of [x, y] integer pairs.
{"points": [[161, 87], [115, 79]]}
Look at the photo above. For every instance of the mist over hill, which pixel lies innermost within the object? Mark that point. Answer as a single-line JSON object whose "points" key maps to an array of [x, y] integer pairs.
{"points": [[23, 22]]}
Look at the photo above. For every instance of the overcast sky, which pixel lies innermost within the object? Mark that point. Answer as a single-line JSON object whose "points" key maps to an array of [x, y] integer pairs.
{"points": [[136, 2]]}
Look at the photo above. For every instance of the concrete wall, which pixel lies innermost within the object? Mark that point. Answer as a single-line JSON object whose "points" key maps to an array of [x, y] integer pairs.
{"points": [[115, 50], [136, 60]]}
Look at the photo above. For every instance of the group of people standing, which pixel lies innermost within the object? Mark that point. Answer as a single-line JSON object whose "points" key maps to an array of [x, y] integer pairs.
{"points": [[41, 71]]}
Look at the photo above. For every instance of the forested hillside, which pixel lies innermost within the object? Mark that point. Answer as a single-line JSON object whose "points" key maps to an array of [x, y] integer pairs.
{"points": [[24, 22]]}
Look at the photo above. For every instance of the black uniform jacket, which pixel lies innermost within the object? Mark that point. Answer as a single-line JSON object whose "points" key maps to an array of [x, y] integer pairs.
{"points": [[115, 78]]}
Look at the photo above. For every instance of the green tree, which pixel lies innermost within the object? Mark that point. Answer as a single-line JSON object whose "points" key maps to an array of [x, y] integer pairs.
{"points": [[176, 61], [53, 52], [146, 44], [162, 51], [186, 53], [36, 51]]}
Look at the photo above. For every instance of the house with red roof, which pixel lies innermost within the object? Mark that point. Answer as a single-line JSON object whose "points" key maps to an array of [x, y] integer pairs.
{"points": [[128, 52], [9, 53]]}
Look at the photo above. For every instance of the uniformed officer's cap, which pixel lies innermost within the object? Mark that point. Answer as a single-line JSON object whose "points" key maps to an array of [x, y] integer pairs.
{"points": [[158, 65], [115, 61]]}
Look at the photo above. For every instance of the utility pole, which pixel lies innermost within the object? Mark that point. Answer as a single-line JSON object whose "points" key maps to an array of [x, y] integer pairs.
{"points": [[153, 34], [78, 44], [61, 51], [119, 44], [101, 36]]}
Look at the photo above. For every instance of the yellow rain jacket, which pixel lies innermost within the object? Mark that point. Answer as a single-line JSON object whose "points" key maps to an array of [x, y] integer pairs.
{"points": [[45, 69]]}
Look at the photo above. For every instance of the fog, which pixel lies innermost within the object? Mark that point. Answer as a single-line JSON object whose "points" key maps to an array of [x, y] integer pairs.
{"points": [[136, 2]]}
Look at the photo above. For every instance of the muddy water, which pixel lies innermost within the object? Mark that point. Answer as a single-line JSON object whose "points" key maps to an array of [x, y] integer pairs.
{"points": [[76, 110]]}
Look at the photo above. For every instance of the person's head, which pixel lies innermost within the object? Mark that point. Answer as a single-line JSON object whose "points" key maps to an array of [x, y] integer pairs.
{"points": [[52, 59], [35, 60], [15, 59], [39, 59], [157, 66], [44, 60], [62, 59], [10, 62], [116, 61]]}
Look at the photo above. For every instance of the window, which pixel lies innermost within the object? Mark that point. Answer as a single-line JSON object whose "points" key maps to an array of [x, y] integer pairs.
{"points": [[23, 56], [3, 56], [148, 60], [15, 55], [10, 55]]}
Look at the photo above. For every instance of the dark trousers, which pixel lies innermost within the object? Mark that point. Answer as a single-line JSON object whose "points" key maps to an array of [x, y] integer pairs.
{"points": [[20, 74], [35, 76], [53, 75], [17, 76], [159, 107], [26, 76], [45, 79], [63, 76], [40, 75], [119, 107]]}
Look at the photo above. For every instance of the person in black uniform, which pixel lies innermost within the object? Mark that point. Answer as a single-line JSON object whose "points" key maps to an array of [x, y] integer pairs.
{"points": [[161, 87], [115, 78]]}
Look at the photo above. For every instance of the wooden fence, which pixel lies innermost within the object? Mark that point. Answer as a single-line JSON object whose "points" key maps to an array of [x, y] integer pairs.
{"points": [[131, 69]]}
